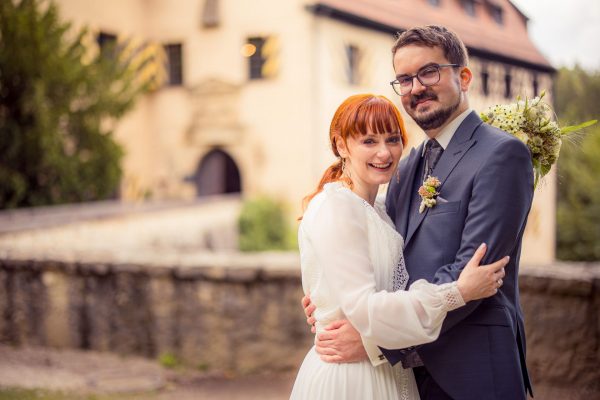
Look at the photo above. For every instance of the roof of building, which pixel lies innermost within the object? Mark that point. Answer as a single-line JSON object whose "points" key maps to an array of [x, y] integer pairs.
{"points": [[507, 41]]}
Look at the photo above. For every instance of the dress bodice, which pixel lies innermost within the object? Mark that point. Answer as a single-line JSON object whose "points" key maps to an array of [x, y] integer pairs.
{"points": [[384, 247]]}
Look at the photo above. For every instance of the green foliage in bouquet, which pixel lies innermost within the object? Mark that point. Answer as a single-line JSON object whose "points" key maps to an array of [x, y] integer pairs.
{"points": [[263, 225], [533, 122], [58, 104]]}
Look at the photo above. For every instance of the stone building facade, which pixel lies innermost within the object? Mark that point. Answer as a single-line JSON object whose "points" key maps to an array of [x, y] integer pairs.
{"points": [[251, 87]]}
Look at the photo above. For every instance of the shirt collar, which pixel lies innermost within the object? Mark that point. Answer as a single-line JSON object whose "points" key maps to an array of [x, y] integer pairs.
{"points": [[446, 134]]}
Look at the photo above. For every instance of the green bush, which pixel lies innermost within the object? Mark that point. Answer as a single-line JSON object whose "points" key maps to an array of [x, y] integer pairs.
{"points": [[578, 213], [577, 95], [263, 225]]}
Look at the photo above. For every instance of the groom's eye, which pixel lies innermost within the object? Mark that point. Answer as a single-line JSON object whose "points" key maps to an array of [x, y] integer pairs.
{"points": [[405, 81]]}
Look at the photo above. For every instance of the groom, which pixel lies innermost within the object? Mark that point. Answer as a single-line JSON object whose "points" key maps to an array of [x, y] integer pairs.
{"points": [[485, 196]]}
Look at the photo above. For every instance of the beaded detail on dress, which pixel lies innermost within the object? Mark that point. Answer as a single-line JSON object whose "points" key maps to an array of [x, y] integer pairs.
{"points": [[404, 383], [400, 275]]}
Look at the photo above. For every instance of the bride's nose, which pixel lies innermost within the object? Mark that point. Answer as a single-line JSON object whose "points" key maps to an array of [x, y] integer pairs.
{"points": [[383, 152]]}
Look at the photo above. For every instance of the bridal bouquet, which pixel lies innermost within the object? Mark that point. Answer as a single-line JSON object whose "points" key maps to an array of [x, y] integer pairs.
{"points": [[533, 122]]}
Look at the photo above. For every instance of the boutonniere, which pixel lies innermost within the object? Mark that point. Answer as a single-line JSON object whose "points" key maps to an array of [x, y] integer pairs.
{"points": [[428, 192]]}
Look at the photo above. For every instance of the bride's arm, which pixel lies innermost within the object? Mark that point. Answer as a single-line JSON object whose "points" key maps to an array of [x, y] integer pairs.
{"points": [[400, 319]]}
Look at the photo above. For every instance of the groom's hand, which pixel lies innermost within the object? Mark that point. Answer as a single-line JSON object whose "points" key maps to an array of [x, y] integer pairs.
{"points": [[340, 343], [309, 309]]}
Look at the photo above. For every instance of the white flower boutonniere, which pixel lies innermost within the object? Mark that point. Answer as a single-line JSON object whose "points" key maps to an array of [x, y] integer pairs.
{"points": [[428, 192]]}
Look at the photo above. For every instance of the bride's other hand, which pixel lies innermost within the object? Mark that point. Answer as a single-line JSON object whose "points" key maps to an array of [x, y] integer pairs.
{"points": [[477, 282], [309, 310], [340, 343]]}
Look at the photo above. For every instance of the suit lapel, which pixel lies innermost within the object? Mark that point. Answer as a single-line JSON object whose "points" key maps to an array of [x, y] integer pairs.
{"points": [[460, 144], [449, 159]]}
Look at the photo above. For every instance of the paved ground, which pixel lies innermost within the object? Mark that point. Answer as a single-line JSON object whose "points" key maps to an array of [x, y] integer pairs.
{"points": [[26, 219], [163, 236], [91, 373]]}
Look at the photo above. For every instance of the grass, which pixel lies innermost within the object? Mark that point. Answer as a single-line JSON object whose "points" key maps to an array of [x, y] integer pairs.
{"points": [[37, 394], [169, 360]]}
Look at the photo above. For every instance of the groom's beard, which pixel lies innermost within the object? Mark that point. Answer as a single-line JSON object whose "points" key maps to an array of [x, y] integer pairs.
{"points": [[433, 119]]}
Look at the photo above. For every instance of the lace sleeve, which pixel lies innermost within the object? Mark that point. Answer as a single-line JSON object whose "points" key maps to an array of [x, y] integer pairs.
{"points": [[451, 297], [432, 302]]}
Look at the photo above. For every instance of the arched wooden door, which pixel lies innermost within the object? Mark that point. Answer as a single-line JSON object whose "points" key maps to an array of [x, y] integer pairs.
{"points": [[217, 173]]}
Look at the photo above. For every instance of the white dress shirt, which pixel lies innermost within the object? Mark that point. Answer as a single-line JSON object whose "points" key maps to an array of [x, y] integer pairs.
{"points": [[446, 134]]}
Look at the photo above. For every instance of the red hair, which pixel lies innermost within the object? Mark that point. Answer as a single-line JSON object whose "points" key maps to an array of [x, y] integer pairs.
{"points": [[356, 116]]}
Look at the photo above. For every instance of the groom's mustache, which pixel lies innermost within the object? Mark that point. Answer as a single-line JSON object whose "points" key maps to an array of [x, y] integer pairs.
{"points": [[427, 95]]}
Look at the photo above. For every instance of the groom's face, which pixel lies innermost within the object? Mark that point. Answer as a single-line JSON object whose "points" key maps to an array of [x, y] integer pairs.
{"points": [[432, 107]]}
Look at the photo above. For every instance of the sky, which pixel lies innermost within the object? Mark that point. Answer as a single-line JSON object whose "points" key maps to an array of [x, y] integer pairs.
{"points": [[565, 31]]}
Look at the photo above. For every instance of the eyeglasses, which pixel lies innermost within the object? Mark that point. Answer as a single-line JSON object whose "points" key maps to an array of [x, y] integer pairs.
{"points": [[427, 76]]}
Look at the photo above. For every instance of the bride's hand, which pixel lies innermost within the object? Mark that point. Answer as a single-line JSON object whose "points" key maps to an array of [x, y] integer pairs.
{"points": [[477, 282]]}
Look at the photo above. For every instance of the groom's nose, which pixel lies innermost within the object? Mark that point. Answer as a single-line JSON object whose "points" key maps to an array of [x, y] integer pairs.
{"points": [[417, 87]]}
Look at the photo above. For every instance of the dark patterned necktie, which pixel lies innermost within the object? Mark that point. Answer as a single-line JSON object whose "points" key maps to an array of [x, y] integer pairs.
{"points": [[433, 152]]}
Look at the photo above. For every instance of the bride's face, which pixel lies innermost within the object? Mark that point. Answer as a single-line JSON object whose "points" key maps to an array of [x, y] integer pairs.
{"points": [[371, 159]]}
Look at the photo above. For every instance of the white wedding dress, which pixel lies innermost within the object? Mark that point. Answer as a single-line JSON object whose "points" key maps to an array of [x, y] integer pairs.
{"points": [[352, 261]]}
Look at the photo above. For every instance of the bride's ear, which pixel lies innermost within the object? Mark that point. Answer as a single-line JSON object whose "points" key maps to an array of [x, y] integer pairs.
{"points": [[341, 147]]}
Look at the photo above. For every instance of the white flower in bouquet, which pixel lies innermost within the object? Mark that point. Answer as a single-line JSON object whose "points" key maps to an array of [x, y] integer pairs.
{"points": [[533, 122]]}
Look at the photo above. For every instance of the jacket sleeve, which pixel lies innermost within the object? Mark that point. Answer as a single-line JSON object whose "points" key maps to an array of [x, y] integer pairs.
{"points": [[500, 201]]}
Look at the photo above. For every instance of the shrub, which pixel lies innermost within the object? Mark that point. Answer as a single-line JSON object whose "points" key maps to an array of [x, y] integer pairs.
{"points": [[263, 225]]}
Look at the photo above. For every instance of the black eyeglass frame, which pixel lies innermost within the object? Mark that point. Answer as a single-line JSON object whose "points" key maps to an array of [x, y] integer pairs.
{"points": [[412, 77]]}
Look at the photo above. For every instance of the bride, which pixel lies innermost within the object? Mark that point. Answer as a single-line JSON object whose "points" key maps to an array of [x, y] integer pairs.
{"points": [[353, 266]]}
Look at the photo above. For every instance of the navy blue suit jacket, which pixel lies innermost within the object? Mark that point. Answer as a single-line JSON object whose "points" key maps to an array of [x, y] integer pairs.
{"points": [[487, 182]]}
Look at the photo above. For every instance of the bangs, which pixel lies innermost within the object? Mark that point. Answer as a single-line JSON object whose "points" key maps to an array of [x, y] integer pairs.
{"points": [[376, 115]]}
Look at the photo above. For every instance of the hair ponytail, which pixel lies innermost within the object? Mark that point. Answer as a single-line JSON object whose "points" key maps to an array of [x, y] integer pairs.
{"points": [[333, 173]]}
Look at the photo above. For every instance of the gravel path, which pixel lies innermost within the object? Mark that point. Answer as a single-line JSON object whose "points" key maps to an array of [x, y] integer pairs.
{"points": [[82, 372]]}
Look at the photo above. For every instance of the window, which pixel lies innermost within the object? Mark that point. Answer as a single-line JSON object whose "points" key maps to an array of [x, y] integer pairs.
{"points": [[536, 86], [497, 14], [435, 3], [256, 60], [210, 14], [469, 6], [352, 64], [174, 64], [507, 85], [262, 54], [108, 44], [485, 87]]}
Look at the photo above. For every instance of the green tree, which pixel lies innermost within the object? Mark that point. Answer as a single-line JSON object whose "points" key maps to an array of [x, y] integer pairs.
{"points": [[577, 99], [58, 105]]}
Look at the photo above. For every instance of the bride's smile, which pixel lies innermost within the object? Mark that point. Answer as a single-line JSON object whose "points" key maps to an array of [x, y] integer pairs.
{"points": [[371, 160]]}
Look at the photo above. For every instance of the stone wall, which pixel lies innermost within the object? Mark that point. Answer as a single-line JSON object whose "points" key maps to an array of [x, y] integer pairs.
{"points": [[562, 320], [240, 319], [243, 315]]}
